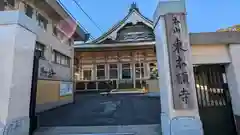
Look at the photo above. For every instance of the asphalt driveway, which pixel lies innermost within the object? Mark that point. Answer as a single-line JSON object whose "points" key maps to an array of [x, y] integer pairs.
{"points": [[99, 110]]}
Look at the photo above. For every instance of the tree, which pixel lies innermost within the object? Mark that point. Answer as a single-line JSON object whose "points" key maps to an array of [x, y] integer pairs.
{"points": [[235, 28]]}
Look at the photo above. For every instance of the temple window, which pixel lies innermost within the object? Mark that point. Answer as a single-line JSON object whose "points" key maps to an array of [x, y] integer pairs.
{"points": [[87, 74], [101, 72], [113, 71], [139, 70], [126, 71]]}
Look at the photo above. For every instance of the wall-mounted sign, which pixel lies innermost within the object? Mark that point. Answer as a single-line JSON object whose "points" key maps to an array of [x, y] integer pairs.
{"points": [[181, 69], [136, 36], [66, 88], [47, 72]]}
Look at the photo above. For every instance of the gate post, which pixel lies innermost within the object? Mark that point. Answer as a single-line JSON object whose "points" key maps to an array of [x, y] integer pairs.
{"points": [[32, 108], [179, 109], [233, 80], [17, 45]]}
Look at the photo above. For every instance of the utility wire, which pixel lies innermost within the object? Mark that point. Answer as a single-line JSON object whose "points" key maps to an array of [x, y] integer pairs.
{"points": [[99, 28], [64, 7]]}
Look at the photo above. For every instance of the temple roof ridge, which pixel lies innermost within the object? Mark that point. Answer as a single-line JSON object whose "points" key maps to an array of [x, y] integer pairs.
{"points": [[134, 7], [134, 14]]}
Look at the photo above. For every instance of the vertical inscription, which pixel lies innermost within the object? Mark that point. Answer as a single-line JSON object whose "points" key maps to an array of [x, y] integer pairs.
{"points": [[180, 66]]}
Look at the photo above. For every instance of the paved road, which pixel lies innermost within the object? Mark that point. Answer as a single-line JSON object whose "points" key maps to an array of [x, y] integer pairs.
{"points": [[99, 110]]}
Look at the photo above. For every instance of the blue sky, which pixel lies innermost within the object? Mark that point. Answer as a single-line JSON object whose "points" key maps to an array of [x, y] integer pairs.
{"points": [[203, 15]]}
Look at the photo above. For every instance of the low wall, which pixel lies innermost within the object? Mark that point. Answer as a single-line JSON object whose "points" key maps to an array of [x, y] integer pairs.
{"points": [[153, 86], [210, 54], [48, 95]]}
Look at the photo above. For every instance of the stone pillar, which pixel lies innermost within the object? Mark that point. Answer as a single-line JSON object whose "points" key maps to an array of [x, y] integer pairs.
{"points": [[179, 110], [233, 79], [16, 57]]}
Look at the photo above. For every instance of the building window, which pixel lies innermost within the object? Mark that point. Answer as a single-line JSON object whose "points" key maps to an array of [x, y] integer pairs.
{"points": [[28, 10], [139, 70], [113, 71], [126, 71], [42, 21], [87, 74], [60, 35], [40, 47], [100, 71], [60, 58], [55, 30], [70, 41]]}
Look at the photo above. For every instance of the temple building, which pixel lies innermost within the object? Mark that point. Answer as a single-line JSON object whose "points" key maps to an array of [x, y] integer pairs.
{"points": [[124, 54]]}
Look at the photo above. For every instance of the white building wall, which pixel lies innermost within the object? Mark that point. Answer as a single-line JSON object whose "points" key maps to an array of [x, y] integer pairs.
{"points": [[17, 47], [6, 43], [49, 40], [210, 54], [46, 36], [233, 76]]}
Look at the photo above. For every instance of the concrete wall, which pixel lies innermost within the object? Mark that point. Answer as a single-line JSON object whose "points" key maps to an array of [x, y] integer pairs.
{"points": [[233, 77], [215, 38], [17, 46], [210, 53], [48, 90], [62, 72], [48, 95], [153, 87]]}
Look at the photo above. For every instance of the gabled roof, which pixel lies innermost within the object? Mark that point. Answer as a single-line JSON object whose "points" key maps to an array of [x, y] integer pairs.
{"points": [[133, 16]]}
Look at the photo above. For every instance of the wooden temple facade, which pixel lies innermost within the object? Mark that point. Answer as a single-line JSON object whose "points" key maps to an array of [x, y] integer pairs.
{"points": [[125, 55]]}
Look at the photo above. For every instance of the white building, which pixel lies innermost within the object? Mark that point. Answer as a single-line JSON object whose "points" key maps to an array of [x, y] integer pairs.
{"points": [[55, 32]]}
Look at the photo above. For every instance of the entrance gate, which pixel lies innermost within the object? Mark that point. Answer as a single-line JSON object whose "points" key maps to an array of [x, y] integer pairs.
{"points": [[214, 100], [32, 113]]}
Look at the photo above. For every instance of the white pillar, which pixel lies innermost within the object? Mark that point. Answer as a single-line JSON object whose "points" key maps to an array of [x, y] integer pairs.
{"points": [[16, 57], [177, 117], [233, 79]]}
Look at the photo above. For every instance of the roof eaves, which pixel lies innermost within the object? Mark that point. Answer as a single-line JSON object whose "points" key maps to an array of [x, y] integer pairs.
{"points": [[117, 25], [145, 18]]}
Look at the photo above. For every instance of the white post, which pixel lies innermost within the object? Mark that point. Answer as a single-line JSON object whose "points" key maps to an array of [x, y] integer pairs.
{"points": [[179, 110], [233, 79], [16, 57]]}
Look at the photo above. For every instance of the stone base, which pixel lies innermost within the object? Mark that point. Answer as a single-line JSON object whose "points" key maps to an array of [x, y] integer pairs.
{"points": [[16, 127], [153, 94], [237, 121], [165, 123], [181, 125], [186, 126]]}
